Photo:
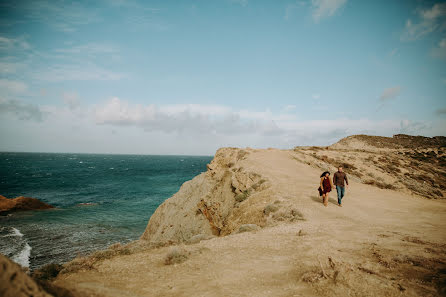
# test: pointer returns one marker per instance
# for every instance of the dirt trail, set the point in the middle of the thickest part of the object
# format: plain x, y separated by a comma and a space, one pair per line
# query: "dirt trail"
381, 243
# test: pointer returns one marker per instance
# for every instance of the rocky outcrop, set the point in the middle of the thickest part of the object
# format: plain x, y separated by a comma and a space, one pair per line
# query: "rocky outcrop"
206, 204
21, 203
16, 283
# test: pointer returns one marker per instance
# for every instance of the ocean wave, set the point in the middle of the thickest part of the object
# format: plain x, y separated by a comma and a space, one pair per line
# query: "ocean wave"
87, 204
16, 232
22, 258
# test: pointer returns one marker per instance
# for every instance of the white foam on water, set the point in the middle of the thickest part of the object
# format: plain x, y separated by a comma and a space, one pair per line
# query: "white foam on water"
22, 258
16, 232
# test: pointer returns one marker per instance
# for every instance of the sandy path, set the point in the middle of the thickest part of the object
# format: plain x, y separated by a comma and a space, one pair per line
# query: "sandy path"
381, 243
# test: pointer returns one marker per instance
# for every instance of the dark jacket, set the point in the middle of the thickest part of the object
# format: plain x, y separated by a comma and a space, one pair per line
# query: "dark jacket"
338, 179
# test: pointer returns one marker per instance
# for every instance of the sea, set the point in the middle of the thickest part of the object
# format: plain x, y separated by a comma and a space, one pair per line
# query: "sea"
99, 200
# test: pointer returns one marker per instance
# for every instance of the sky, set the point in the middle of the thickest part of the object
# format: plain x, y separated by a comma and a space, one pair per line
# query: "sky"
188, 77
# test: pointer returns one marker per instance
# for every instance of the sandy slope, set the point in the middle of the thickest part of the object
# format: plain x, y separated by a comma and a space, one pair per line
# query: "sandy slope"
381, 243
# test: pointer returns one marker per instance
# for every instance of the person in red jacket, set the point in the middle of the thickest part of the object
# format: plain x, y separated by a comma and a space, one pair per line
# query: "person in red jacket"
338, 180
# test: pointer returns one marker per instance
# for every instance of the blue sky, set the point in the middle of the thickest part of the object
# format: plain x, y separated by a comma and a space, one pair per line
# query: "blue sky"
188, 77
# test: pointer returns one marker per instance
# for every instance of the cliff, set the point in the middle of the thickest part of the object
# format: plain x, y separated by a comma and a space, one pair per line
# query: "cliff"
16, 283
210, 204
254, 225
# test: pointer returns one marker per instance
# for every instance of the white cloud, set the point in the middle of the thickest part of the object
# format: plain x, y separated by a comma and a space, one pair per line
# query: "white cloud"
316, 96
90, 49
59, 15
390, 93
77, 73
202, 122
182, 118
20, 110
440, 50
429, 20
289, 9
12, 86
289, 108
441, 111
13, 43
413, 128
10, 67
118, 126
325, 8
71, 99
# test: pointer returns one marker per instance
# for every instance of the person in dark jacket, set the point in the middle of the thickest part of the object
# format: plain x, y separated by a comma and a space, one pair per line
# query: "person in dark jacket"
325, 187
338, 180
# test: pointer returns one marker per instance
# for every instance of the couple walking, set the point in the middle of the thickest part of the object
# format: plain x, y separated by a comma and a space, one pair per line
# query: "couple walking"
327, 184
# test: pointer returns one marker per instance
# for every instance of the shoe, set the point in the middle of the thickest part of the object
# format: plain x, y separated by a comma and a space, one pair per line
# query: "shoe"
340, 205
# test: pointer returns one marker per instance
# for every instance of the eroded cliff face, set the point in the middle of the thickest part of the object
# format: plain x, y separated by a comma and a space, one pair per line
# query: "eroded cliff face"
209, 204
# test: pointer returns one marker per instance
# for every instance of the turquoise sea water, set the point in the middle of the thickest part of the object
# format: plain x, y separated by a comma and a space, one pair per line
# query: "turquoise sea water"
121, 193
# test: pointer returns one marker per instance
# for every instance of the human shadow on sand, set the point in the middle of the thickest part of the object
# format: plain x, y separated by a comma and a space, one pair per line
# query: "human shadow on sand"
318, 199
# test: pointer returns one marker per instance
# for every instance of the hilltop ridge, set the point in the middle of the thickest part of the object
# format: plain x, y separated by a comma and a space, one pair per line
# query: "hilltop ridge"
398, 141
415, 165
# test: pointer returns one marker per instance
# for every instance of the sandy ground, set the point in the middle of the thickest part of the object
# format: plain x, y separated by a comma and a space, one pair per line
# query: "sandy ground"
380, 243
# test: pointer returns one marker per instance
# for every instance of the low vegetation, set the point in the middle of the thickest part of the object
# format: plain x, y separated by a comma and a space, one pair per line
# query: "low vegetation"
88, 262
416, 164
176, 255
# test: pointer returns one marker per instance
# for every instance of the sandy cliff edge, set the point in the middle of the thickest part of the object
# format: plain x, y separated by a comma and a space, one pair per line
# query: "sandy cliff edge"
383, 242
209, 204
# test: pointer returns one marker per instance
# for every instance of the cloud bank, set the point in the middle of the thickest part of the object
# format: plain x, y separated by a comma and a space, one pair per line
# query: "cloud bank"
119, 126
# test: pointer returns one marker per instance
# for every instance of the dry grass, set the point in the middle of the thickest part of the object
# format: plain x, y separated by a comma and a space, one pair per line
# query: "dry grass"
421, 171
270, 208
88, 262
176, 255
379, 184
242, 196
47, 272
290, 215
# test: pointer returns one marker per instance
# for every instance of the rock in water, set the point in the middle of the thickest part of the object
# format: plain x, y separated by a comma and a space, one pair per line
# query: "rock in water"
16, 283
21, 203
